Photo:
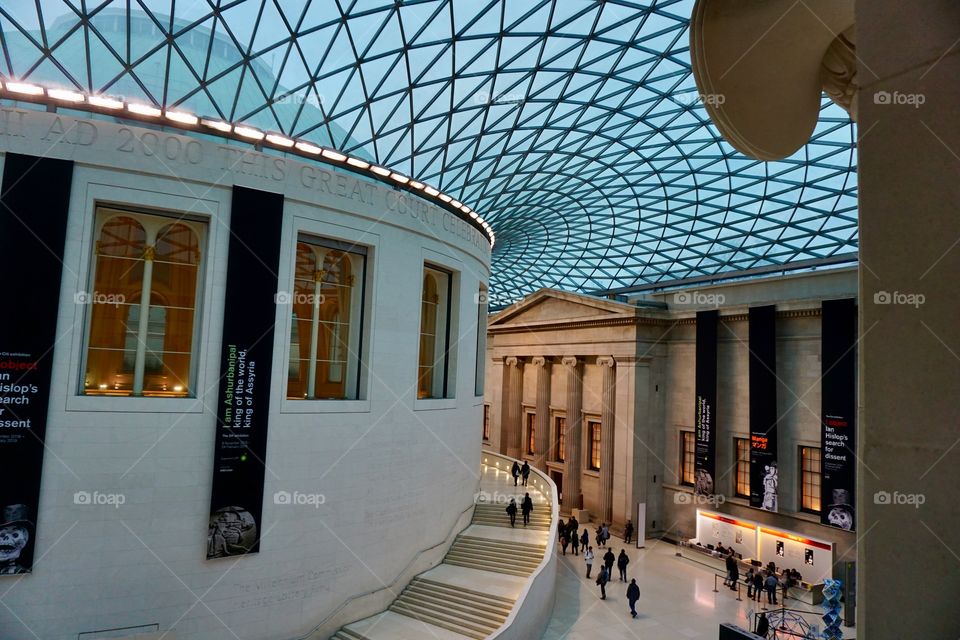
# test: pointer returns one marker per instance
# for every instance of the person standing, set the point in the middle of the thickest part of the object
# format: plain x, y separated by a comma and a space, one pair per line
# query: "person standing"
771, 584
608, 561
633, 594
749, 580
561, 528
574, 541
584, 540
599, 536
512, 511
733, 571
526, 506
763, 626
564, 541
622, 561
588, 559
602, 580
757, 584
605, 532
515, 472
628, 532
525, 472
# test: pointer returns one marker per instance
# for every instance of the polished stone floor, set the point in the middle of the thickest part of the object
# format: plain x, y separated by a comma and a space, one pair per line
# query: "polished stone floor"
677, 601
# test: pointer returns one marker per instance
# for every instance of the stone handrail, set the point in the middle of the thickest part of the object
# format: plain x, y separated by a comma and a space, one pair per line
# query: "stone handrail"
534, 606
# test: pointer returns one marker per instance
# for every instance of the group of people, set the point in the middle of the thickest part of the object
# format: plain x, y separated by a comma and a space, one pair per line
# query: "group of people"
569, 532
759, 580
569, 536
519, 472
526, 507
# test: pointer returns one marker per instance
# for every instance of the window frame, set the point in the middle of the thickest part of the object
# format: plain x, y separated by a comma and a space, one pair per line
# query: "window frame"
480, 371
530, 431
200, 225
814, 474
560, 433
359, 298
446, 392
687, 457
486, 422
740, 472
594, 444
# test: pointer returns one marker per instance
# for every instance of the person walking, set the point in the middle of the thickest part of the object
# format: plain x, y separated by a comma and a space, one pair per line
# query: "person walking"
588, 559
515, 472
574, 525
757, 584
512, 511
749, 580
599, 536
633, 594
605, 532
564, 541
628, 532
771, 584
584, 540
602, 580
561, 528
574, 541
608, 561
525, 472
733, 571
622, 561
526, 506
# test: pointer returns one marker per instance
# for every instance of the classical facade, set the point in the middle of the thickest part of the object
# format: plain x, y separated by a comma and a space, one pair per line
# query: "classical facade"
601, 395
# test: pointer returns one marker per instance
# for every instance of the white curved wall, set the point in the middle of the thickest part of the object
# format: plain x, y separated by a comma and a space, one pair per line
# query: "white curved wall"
397, 473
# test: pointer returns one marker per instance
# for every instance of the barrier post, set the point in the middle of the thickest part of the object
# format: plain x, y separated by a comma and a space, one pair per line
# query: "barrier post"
715, 590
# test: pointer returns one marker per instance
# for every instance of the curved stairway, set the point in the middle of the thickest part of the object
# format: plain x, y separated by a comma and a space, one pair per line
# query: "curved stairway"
471, 594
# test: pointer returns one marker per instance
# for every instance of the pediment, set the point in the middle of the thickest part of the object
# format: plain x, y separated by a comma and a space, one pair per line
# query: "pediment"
550, 306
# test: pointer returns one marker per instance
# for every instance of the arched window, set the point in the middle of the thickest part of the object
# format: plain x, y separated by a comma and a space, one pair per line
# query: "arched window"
325, 332
143, 305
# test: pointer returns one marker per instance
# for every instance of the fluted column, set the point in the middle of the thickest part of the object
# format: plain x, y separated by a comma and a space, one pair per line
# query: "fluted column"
513, 401
573, 466
542, 426
608, 421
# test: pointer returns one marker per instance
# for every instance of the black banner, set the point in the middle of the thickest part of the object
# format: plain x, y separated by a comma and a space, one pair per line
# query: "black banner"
705, 415
764, 478
838, 426
249, 313
33, 223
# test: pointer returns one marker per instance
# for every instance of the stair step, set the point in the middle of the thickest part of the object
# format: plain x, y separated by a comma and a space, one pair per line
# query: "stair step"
496, 567
423, 591
500, 549
494, 558
436, 603
451, 624
347, 634
475, 565
457, 589
531, 545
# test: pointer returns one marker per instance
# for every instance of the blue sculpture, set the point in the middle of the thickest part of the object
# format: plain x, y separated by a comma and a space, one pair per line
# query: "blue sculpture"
832, 590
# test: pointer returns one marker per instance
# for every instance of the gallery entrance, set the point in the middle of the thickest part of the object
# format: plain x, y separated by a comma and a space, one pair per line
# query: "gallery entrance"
557, 477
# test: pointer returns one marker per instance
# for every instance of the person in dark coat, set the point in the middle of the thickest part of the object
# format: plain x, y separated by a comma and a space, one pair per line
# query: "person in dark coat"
733, 571
749, 580
561, 528
757, 584
633, 594
608, 561
584, 540
763, 626
628, 532
622, 562
574, 540
564, 541
602, 580
512, 511
526, 506
515, 472
525, 472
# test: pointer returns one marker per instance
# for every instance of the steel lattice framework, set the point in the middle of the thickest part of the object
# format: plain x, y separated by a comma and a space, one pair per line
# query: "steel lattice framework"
573, 126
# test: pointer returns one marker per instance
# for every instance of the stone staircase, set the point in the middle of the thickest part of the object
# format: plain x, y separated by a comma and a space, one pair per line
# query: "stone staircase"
459, 599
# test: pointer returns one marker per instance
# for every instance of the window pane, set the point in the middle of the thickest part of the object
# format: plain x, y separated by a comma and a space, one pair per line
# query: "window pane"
686, 457
594, 431
434, 319
531, 433
743, 467
561, 439
810, 478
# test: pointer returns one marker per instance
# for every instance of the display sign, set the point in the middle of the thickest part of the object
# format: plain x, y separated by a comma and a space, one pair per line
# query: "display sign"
716, 528
838, 429
33, 223
249, 315
764, 478
705, 459
789, 550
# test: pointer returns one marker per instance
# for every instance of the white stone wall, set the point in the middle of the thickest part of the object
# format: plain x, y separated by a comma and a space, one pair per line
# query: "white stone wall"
396, 472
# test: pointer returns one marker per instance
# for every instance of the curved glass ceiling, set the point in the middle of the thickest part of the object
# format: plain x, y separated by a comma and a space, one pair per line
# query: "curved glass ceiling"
574, 127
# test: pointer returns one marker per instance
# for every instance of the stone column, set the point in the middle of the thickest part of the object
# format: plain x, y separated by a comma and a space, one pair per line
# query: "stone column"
608, 421
542, 426
573, 467
512, 429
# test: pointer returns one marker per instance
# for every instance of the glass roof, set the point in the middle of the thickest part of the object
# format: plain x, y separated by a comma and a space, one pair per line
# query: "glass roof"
573, 126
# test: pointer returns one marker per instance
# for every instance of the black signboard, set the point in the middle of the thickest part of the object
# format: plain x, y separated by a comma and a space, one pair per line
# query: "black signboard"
838, 428
706, 391
249, 315
33, 222
764, 478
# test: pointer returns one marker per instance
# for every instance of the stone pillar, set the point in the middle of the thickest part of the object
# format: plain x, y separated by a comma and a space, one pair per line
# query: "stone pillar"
542, 426
573, 467
512, 428
909, 160
608, 421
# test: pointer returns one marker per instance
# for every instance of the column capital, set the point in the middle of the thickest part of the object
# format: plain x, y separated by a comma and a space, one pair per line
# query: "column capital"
606, 361
512, 361
539, 361
571, 361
